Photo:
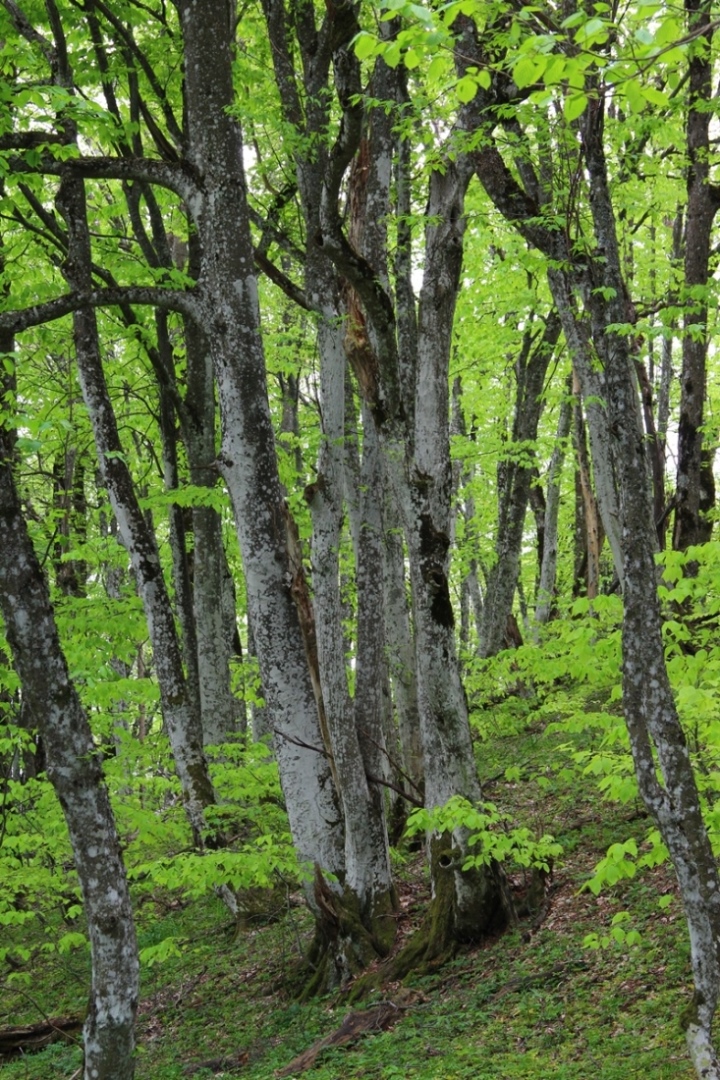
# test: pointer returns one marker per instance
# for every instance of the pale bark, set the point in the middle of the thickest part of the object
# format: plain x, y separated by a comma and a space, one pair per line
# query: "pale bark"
417, 461
367, 865
402, 657
548, 566
181, 715
371, 680
213, 593
368, 882
230, 315
74, 769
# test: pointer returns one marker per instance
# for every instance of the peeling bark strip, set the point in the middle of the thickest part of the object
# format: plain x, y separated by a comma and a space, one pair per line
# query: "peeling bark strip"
73, 767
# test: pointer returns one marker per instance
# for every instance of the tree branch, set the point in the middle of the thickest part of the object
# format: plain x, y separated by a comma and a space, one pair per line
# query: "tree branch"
179, 177
182, 300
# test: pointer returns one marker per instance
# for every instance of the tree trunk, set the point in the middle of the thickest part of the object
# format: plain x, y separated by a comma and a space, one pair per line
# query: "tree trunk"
589, 533
695, 494
73, 767
213, 590
514, 480
592, 389
548, 566
418, 461
179, 711
228, 309
649, 707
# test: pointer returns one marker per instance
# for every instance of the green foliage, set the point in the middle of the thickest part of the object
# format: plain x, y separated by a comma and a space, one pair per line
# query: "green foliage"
619, 934
489, 832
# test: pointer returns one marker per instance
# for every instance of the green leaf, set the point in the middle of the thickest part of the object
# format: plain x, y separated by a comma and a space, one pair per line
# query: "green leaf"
365, 45
466, 88
574, 106
527, 71
655, 96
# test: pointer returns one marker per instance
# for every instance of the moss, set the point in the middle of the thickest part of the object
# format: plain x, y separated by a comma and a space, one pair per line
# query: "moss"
347, 936
689, 1015
445, 927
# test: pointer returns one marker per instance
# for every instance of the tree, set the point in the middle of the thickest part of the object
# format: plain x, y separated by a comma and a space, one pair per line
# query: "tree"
73, 764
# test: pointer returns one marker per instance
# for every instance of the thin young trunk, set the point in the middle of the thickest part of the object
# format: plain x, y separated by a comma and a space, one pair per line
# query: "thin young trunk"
177, 532
514, 491
589, 530
180, 716
179, 711
367, 866
695, 493
69, 511
592, 389
548, 567
74, 769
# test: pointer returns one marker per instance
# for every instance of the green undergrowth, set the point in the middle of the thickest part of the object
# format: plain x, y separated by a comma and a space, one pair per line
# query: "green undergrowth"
596, 988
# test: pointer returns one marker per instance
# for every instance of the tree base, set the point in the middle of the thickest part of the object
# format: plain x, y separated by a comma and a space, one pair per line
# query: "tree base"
468, 906
347, 938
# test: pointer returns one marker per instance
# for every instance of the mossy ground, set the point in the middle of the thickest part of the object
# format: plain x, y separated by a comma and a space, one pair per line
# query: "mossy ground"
527, 1004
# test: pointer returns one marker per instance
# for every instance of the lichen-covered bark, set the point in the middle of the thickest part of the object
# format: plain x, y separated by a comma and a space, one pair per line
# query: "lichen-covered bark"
368, 879
230, 315
73, 766
417, 459
652, 721
213, 595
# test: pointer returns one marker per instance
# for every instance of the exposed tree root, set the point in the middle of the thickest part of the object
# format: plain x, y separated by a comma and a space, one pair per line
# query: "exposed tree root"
379, 1017
347, 938
461, 911
27, 1037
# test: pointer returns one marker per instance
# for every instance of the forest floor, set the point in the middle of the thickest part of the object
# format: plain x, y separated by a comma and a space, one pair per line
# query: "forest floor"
537, 1002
